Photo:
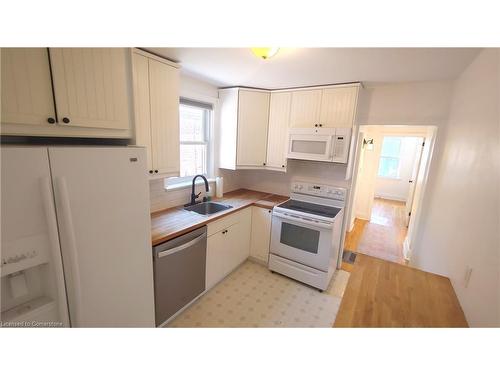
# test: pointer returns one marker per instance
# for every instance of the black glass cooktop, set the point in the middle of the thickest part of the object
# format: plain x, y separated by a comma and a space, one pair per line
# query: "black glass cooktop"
311, 208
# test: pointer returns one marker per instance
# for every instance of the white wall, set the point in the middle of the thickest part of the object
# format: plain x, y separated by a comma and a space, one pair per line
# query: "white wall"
410, 103
460, 214
398, 189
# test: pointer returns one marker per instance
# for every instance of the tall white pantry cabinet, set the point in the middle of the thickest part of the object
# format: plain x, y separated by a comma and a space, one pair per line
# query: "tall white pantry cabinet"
156, 98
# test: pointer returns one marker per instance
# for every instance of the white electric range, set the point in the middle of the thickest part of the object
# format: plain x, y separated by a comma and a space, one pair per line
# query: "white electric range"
306, 233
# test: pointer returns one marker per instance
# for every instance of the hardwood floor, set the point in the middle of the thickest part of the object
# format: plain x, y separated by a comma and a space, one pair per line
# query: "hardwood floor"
382, 236
386, 294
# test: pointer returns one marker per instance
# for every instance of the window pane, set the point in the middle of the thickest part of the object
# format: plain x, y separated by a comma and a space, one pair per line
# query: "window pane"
388, 167
193, 160
391, 146
192, 123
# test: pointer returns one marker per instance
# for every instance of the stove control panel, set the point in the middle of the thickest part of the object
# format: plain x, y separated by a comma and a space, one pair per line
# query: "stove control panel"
319, 190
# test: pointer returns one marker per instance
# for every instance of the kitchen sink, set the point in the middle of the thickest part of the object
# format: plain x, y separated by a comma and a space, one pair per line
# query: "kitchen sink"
208, 208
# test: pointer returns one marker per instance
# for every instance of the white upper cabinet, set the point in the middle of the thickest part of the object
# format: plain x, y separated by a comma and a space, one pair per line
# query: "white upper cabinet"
164, 97
156, 100
142, 109
26, 87
253, 117
338, 106
305, 108
91, 87
243, 128
66, 92
277, 136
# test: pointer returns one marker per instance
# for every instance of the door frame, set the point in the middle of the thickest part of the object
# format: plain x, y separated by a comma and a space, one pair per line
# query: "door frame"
428, 133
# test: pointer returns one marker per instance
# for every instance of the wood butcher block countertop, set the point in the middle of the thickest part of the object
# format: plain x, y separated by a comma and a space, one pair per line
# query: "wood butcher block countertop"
386, 294
173, 222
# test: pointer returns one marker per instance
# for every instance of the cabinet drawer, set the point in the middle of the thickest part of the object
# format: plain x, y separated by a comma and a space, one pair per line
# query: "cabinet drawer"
227, 221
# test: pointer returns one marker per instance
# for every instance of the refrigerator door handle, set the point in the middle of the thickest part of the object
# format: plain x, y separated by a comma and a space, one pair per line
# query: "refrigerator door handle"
69, 233
50, 214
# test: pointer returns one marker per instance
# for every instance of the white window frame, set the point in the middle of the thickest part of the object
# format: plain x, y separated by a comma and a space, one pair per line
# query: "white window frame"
174, 183
398, 158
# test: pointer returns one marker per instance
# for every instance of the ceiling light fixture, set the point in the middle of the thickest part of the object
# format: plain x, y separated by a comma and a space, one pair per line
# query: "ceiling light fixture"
265, 52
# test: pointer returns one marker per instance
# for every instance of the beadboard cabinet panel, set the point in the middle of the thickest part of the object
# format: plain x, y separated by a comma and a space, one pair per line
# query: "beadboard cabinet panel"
338, 106
277, 136
305, 108
142, 108
253, 118
164, 104
91, 87
26, 87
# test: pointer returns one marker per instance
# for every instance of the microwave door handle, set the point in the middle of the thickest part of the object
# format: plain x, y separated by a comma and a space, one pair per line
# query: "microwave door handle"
303, 220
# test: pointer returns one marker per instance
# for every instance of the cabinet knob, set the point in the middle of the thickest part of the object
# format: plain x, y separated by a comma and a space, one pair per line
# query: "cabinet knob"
320, 125
156, 170
51, 120
283, 166
150, 171
263, 163
66, 120
316, 125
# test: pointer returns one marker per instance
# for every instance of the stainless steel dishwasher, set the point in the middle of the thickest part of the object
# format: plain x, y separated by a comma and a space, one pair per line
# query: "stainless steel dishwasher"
179, 272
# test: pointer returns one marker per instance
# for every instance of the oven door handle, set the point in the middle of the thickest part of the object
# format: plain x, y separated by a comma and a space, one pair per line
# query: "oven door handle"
303, 220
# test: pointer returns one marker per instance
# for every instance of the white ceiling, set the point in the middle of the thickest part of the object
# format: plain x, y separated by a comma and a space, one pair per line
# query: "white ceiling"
316, 66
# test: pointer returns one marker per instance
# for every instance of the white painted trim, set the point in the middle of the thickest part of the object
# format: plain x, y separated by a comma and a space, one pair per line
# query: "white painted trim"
406, 249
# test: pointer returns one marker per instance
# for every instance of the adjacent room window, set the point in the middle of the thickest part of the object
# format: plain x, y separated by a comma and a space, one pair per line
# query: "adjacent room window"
390, 157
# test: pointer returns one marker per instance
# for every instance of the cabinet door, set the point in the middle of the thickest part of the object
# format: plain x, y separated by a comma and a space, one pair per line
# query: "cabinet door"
277, 141
216, 251
26, 87
164, 100
253, 119
261, 233
238, 239
141, 104
305, 107
91, 87
338, 106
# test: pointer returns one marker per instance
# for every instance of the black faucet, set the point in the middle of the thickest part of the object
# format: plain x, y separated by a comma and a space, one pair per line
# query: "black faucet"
193, 195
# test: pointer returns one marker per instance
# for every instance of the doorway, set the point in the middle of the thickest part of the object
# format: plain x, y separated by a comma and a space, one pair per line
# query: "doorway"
388, 179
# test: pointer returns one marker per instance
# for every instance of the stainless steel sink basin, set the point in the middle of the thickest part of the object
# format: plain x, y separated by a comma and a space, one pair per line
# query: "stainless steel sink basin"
208, 208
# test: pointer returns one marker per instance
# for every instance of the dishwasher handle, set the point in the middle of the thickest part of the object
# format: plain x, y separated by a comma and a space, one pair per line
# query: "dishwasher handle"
174, 250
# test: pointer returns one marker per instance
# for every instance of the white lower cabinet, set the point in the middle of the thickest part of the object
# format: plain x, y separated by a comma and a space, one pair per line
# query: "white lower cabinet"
228, 245
261, 233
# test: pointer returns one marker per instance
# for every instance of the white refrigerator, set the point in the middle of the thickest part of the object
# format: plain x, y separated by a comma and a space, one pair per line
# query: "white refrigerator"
75, 235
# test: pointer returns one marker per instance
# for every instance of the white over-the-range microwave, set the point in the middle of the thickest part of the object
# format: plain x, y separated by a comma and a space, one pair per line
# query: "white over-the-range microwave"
325, 144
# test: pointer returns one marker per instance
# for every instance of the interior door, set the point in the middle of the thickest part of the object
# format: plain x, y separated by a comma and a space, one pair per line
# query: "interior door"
253, 120
26, 87
91, 87
102, 201
412, 182
164, 104
305, 107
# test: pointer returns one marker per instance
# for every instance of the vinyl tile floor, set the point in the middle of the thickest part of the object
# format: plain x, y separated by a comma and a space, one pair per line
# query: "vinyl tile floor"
252, 296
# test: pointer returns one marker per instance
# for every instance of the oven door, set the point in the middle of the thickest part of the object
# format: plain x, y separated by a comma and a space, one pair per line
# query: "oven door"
302, 240
310, 147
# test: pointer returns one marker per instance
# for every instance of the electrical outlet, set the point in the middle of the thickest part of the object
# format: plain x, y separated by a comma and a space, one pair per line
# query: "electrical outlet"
468, 273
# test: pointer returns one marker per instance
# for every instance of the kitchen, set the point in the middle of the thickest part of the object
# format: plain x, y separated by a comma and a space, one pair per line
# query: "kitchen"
155, 190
